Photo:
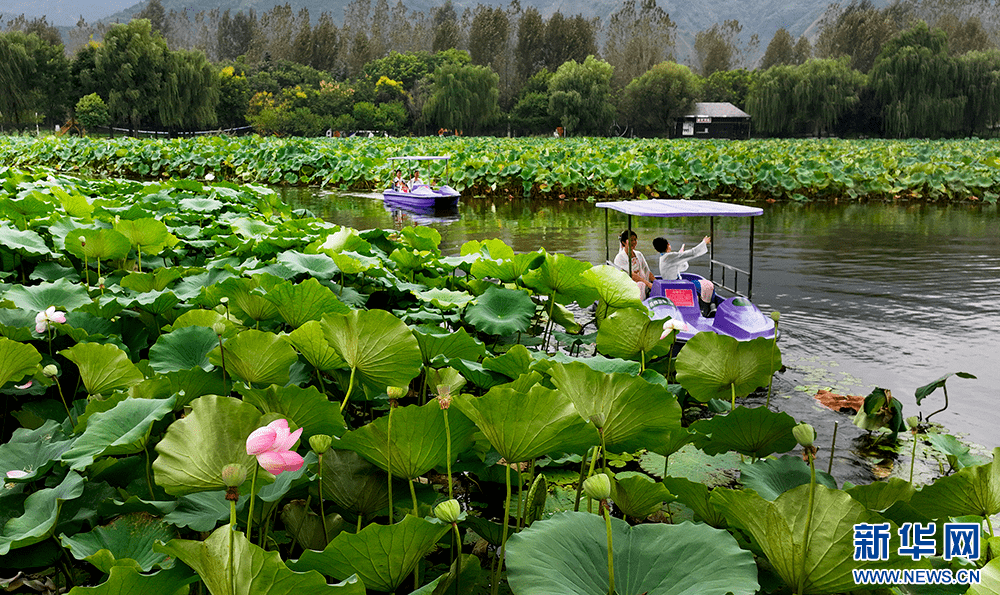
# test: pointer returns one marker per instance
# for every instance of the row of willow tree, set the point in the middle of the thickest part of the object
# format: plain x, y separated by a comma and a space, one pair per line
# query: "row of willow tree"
871, 71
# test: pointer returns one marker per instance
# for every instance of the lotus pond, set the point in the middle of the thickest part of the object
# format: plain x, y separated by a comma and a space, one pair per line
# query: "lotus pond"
207, 392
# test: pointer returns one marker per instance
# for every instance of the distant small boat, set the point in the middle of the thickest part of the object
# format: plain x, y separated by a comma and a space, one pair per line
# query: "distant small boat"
421, 196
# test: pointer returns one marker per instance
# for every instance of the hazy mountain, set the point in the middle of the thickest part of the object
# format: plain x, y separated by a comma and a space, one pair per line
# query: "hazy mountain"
760, 17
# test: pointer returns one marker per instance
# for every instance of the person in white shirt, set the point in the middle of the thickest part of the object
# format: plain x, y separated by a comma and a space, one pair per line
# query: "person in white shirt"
632, 261
672, 264
416, 181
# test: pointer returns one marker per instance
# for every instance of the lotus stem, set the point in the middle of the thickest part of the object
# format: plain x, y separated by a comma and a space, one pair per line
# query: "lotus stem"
138, 251
350, 387
666, 463
86, 271
388, 460
611, 557
604, 453
149, 477
809, 514
413, 496
322, 515
298, 530
503, 539
361, 518
447, 432
548, 327
732, 387
458, 560
520, 493
579, 483
989, 524
232, 537
222, 353
590, 501
833, 446
642, 361
253, 493
770, 380
65, 404
944, 387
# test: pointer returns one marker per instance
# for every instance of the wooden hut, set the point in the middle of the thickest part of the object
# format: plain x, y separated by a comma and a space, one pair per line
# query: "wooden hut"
714, 120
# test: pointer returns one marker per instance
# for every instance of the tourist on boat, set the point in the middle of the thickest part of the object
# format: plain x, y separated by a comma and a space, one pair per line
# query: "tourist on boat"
415, 180
632, 261
398, 184
672, 264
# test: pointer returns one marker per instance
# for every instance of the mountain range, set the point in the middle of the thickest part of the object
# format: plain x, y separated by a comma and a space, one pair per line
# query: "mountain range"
758, 17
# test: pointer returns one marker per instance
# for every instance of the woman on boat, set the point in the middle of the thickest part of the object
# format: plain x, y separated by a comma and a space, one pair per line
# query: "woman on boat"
398, 184
672, 264
415, 180
632, 261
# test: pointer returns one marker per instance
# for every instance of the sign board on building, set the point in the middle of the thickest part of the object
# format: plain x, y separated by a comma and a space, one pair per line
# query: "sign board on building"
703, 120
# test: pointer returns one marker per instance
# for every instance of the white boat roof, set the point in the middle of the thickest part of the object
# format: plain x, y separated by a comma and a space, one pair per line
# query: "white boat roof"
419, 158
673, 207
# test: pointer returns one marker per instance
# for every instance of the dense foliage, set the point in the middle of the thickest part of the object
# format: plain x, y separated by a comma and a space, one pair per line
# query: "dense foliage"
752, 170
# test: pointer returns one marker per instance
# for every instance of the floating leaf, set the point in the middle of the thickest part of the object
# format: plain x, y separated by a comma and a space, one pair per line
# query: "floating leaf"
501, 311
568, 555
103, 368
257, 357
382, 556
63, 294
772, 477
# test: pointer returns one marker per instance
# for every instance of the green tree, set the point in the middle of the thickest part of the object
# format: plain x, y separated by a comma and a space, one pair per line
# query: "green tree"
780, 51
638, 37
35, 78
529, 55
810, 98
234, 98
154, 13
859, 30
919, 85
730, 86
653, 102
235, 34
131, 65
981, 86
91, 112
568, 39
580, 96
803, 50
488, 36
190, 91
326, 44
964, 35
530, 114
447, 33
462, 97
720, 48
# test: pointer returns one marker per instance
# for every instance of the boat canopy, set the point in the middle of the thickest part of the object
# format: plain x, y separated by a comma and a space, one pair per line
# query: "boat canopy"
419, 158
680, 208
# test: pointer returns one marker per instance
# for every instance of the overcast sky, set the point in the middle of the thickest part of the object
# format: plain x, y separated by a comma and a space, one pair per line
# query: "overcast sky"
63, 12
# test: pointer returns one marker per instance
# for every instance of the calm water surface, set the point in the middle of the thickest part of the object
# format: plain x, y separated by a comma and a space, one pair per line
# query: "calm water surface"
888, 295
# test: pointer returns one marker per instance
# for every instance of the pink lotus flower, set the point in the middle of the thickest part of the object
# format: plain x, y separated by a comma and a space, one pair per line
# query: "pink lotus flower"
272, 445
673, 325
17, 474
43, 318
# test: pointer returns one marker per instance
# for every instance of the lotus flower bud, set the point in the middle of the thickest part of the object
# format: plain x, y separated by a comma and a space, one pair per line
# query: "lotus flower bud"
913, 422
83, 241
396, 392
598, 419
775, 315
320, 443
233, 475
219, 328
101, 281
224, 301
444, 395
448, 511
597, 487
50, 371
804, 434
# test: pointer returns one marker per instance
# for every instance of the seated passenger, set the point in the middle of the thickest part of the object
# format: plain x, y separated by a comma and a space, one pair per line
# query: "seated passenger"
398, 184
632, 261
672, 264
415, 180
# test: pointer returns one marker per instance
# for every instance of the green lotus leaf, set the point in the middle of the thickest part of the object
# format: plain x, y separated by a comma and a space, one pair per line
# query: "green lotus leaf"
17, 360
183, 349
188, 385
122, 430
206, 319
630, 334
881, 495
449, 377
382, 556
562, 277
779, 528
512, 364
191, 287
103, 368
202, 511
126, 580
473, 575
195, 448
409, 261
308, 526
772, 477
697, 497
344, 239
246, 296
201, 205
306, 408
126, 541
380, 350
319, 266
353, 483
256, 357
36, 519
501, 311
418, 442
251, 229
598, 363
434, 341
155, 281
508, 269
26, 242
104, 244
989, 580
310, 340
155, 302
147, 234
568, 555
523, 426
755, 432
32, 205
353, 264
638, 496
475, 373
615, 290
17, 324
636, 414
711, 366
308, 300
256, 572
564, 317
444, 298
927, 389
33, 451
63, 294
493, 248
421, 237
958, 454
970, 491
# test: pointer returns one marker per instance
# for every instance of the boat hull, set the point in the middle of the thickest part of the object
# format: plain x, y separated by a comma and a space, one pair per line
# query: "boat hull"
422, 197
735, 317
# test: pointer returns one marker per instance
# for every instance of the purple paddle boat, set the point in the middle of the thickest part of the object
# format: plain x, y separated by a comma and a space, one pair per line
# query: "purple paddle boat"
420, 196
735, 316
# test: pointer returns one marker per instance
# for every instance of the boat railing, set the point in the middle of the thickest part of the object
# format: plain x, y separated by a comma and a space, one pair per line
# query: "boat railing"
734, 275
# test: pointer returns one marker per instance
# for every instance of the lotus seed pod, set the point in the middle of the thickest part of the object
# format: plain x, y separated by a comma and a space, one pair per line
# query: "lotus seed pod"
396, 392
804, 434
50, 371
775, 315
913, 422
219, 328
597, 487
448, 511
100, 281
233, 475
83, 241
320, 443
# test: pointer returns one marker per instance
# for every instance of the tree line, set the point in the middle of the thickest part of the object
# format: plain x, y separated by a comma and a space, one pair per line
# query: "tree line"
490, 70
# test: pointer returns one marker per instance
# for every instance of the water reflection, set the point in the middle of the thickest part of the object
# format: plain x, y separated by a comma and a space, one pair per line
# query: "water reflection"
870, 294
